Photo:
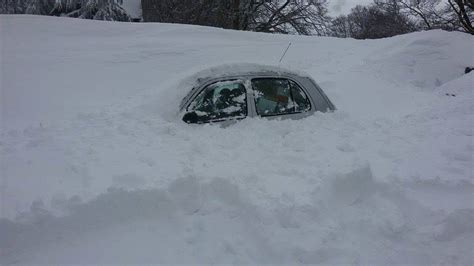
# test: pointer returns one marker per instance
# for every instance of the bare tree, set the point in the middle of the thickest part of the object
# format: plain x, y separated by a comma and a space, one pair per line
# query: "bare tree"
340, 27
12, 6
39, 7
293, 16
383, 18
202, 12
426, 10
432, 14
289, 16
464, 10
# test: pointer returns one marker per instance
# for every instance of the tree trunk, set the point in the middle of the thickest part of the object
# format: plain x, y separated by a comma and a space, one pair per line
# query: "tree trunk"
237, 14
462, 15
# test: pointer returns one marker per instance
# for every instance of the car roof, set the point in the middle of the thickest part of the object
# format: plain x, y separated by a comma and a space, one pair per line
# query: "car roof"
243, 70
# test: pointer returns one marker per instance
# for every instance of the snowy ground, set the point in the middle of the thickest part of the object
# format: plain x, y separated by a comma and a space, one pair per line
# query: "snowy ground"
97, 168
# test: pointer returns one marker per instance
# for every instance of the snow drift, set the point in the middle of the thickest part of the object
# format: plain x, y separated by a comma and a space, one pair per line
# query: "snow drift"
96, 169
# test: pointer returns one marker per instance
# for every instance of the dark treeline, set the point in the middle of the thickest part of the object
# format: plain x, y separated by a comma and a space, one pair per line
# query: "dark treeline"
382, 18
290, 16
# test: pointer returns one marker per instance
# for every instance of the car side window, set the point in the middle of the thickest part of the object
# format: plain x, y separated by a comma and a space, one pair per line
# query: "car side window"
302, 103
278, 96
218, 101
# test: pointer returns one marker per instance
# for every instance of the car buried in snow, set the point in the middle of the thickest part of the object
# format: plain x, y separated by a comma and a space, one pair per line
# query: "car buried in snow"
252, 91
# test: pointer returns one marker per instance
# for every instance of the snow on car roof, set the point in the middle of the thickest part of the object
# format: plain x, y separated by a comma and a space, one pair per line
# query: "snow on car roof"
242, 69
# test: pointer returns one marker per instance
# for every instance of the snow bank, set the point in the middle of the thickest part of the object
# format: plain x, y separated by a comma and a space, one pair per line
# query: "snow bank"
350, 219
92, 154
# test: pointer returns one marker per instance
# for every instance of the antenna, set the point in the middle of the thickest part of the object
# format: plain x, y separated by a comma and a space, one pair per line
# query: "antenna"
284, 53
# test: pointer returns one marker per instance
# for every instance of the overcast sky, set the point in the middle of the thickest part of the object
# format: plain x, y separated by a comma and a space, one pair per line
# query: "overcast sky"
338, 7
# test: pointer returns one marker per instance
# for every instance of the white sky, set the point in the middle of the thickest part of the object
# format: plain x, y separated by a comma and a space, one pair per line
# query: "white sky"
339, 7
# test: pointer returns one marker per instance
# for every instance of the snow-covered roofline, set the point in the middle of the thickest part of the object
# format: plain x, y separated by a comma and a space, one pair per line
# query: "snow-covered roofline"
242, 69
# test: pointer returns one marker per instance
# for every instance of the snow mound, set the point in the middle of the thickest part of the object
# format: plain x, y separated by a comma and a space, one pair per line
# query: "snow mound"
424, 60
351, 218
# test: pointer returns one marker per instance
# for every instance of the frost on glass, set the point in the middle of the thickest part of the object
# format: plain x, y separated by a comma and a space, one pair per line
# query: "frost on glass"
219, 101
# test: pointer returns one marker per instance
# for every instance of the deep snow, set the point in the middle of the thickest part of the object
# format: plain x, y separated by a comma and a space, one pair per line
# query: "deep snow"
97, 168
